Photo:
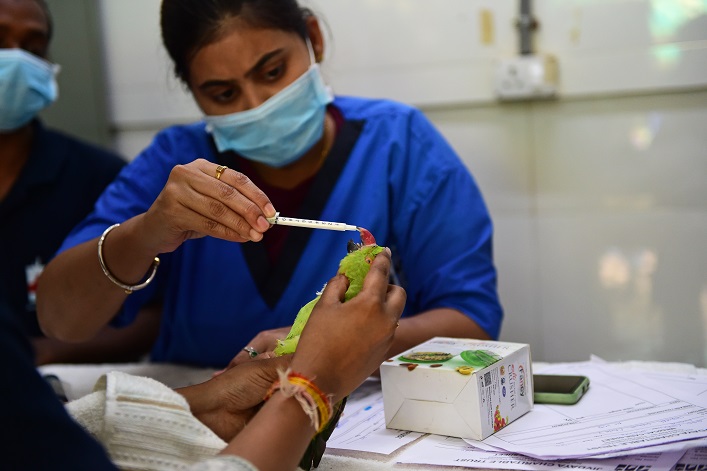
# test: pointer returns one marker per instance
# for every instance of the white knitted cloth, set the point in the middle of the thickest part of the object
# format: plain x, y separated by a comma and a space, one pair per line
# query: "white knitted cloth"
144, 425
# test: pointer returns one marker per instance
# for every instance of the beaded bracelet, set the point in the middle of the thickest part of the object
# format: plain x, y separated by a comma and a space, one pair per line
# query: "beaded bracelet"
314, 402
126, 287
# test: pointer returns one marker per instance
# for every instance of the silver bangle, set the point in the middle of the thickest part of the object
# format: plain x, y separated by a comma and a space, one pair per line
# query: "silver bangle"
127, 288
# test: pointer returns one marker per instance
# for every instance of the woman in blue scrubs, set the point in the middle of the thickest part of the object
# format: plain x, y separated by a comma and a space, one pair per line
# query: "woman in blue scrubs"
274, 136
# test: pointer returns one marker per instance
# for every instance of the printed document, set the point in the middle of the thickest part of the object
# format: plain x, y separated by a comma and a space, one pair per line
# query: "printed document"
362, 425
621, 413
447, 451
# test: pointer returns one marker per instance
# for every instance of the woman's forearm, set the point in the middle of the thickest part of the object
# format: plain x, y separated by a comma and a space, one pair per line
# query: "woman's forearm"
75, 298
434, 323
109, 345
277, 436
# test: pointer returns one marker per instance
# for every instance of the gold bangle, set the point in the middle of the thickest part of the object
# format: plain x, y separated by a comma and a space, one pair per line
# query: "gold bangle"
127, 288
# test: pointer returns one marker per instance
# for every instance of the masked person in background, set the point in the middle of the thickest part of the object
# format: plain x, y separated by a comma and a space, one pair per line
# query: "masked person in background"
273, 136
48, 183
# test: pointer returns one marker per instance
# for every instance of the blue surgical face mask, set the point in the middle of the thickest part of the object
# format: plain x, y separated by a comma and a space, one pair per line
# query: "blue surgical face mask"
283, 128
27, 86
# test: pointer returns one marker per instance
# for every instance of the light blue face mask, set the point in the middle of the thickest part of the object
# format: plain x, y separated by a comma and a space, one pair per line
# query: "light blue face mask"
283, 128
27, 86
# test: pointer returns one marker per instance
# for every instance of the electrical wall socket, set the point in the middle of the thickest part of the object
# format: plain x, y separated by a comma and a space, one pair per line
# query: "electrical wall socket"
526, 78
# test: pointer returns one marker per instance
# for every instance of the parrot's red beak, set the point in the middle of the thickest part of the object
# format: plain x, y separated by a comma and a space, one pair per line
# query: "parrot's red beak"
366, 237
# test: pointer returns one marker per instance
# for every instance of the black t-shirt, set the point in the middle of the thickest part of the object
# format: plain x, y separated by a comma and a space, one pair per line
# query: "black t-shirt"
38, 433
56, 189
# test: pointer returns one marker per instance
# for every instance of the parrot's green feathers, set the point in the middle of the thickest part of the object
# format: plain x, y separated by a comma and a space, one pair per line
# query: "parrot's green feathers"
289, 344
355, 266
286, 346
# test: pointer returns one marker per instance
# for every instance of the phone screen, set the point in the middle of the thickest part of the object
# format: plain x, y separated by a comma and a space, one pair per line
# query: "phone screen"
559, 384
559, 389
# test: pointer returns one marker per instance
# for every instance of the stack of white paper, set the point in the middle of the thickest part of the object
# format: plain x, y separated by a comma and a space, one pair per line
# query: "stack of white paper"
622, 413
630, 418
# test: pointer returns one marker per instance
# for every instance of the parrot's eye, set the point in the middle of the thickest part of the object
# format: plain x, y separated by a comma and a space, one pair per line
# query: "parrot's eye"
369, 260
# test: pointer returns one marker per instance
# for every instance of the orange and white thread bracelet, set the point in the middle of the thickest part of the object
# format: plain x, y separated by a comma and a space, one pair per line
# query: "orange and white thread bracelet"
314, 402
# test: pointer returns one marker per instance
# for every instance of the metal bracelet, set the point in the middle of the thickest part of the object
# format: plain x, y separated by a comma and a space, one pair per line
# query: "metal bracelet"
127, 288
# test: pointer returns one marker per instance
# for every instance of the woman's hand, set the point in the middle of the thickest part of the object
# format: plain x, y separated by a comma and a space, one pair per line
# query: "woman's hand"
343, 343
75, 300
263, 343
227, 402
195, 203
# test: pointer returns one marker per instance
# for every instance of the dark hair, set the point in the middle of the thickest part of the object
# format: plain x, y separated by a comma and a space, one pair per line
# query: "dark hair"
189, 25
50, 24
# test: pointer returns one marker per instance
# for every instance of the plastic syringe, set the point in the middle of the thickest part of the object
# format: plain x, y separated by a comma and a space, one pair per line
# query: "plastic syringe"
311, 224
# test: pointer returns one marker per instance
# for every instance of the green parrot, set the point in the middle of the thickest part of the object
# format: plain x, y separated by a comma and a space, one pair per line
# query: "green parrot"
355, 266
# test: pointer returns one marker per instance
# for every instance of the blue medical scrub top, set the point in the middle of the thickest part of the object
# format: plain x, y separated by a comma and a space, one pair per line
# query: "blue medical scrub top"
389, 171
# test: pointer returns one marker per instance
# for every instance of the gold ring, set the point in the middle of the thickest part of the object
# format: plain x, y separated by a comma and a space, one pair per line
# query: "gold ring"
219, 170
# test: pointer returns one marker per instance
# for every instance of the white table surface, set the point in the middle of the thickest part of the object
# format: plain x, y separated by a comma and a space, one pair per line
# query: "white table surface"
79, 381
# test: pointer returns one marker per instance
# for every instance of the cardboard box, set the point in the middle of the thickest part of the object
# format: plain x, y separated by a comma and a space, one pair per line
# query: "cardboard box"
471, 389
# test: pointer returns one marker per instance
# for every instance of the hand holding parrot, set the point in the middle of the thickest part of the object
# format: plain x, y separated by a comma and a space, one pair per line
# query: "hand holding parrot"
341, 289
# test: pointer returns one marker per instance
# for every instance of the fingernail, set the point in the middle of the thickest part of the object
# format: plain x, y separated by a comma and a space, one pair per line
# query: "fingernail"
388, 251
255, 236
262, 223
269, 210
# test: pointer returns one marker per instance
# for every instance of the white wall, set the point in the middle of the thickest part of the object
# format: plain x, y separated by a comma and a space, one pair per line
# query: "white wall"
599, 198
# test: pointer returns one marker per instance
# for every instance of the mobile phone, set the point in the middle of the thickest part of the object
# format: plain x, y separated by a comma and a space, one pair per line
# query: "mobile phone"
559, 389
